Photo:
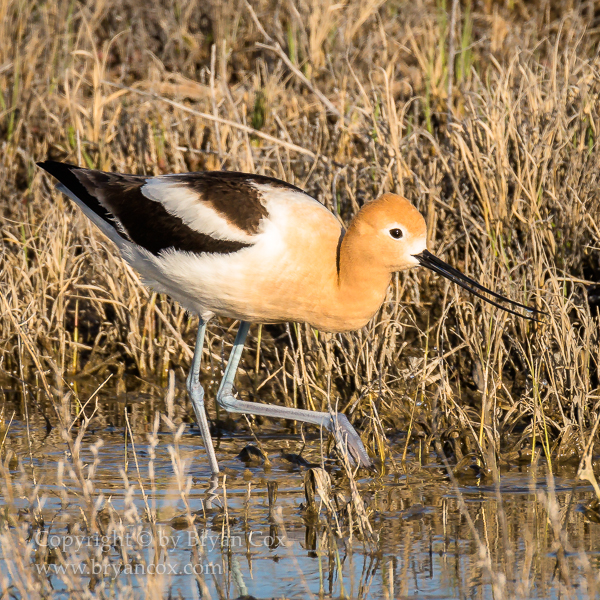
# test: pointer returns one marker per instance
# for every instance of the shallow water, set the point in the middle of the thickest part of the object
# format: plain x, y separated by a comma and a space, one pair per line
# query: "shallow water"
432, 538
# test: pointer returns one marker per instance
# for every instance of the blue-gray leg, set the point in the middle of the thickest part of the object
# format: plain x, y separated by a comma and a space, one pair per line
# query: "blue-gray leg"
345, 435
196, 392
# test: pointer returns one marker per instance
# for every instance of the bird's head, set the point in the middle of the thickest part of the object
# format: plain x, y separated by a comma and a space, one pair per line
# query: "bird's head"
396, 230
399, 241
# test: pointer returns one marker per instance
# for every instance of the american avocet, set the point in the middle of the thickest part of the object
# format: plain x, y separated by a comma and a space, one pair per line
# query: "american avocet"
257, 249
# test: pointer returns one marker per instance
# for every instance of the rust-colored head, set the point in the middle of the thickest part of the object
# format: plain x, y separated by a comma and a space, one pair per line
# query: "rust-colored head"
390, 230
388, 235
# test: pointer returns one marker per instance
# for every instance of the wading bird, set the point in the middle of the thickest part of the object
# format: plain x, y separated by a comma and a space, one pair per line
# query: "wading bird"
257, 249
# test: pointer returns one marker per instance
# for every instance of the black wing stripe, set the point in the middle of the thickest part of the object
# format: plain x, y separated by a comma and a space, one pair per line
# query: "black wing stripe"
146, 222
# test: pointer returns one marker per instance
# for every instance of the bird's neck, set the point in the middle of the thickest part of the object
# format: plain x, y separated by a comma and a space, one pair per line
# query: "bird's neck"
362, 280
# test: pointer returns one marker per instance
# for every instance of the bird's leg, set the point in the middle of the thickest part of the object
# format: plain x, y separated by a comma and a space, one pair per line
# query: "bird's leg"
196, 392
345, 435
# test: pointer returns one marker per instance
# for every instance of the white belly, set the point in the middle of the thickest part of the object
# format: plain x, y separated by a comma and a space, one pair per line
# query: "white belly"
288, 274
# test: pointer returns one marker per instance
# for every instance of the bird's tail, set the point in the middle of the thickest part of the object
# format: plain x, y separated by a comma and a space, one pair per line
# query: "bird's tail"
89, 202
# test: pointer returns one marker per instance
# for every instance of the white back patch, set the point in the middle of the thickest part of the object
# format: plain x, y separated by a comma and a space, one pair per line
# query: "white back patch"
186, 204
289, 196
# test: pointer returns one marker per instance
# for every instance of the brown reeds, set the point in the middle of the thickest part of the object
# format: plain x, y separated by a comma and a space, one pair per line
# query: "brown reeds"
504, 171
492, 136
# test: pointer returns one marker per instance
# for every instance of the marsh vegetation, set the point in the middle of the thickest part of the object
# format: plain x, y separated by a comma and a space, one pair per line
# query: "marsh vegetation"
485, 426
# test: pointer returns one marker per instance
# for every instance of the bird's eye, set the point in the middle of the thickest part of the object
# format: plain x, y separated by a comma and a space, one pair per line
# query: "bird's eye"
396, 233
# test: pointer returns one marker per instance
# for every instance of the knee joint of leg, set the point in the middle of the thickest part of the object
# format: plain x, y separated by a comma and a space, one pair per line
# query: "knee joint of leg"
225, 397
195, 390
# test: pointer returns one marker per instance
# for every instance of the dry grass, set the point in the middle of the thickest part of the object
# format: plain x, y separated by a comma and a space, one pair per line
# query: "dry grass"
485, 115
505, 172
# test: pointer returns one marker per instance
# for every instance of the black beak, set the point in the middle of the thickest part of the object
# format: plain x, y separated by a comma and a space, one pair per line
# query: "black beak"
432, 262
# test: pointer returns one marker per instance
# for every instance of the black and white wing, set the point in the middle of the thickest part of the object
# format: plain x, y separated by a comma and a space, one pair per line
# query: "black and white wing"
214, 212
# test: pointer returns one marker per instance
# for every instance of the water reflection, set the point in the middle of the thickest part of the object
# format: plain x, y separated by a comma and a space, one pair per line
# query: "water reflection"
524, 536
